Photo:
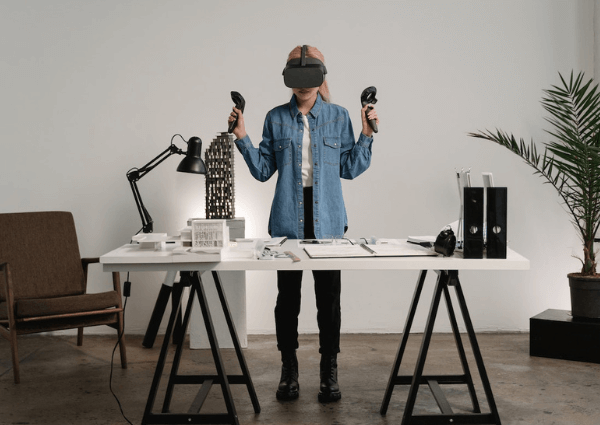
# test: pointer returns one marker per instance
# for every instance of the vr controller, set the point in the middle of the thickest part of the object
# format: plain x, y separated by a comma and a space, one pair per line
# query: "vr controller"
240, 104
368, 97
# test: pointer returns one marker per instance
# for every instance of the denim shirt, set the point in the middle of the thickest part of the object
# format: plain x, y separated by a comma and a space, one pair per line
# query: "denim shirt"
335, 155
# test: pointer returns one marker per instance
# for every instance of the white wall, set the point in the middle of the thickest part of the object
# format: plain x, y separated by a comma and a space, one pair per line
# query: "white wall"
91, 89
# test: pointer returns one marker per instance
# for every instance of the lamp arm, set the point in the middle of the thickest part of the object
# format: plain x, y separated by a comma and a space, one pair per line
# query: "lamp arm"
147, 221
136, 174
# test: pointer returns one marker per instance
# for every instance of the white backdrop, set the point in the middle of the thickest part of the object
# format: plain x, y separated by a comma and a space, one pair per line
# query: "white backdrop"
92, 89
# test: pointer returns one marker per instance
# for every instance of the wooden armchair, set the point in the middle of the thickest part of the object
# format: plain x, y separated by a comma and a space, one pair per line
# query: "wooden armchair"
43, 281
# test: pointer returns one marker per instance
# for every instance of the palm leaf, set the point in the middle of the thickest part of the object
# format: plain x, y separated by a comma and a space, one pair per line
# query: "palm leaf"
570, 162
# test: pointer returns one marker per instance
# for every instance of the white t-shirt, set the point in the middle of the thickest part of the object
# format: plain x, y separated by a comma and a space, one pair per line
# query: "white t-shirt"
307, 163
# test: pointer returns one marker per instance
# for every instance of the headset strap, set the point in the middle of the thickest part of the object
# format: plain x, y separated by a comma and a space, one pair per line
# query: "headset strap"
303, 56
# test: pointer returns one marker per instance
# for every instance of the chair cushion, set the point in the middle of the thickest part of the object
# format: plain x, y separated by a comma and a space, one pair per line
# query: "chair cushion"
33, 307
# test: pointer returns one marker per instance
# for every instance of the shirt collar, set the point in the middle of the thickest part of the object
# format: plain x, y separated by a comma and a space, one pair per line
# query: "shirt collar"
314, 111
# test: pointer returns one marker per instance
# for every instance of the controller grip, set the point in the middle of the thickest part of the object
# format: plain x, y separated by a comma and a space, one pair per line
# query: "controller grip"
232, 125
240, 103
372, 123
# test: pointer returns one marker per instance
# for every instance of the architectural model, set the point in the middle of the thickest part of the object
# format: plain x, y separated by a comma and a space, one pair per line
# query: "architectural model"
220, 183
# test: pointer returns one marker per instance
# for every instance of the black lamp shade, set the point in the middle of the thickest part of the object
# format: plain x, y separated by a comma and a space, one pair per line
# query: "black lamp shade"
192, 163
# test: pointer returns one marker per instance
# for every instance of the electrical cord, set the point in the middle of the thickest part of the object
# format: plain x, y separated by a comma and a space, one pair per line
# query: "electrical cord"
126, 293
175, 135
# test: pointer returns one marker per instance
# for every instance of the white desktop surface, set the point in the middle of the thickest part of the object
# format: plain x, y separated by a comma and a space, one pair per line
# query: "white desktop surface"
131, 258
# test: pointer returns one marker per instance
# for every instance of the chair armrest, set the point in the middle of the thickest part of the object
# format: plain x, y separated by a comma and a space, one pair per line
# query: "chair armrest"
85, 262
116, 277
9, 293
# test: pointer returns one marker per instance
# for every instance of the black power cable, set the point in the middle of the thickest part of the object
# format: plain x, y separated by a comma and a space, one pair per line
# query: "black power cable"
126, 293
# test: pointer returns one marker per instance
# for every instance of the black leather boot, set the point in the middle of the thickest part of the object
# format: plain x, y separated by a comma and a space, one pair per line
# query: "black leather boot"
330, 390
288, 389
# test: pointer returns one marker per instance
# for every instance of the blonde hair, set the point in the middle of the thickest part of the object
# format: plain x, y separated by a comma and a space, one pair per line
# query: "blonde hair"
312, 52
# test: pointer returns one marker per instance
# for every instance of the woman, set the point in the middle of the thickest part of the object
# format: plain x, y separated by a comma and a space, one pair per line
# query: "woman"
310, 142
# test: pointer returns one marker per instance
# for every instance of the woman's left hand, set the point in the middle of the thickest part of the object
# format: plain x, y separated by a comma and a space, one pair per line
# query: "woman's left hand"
372, 115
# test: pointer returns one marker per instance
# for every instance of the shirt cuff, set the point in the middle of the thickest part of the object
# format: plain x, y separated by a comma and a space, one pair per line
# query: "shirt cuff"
365, 141
243, 144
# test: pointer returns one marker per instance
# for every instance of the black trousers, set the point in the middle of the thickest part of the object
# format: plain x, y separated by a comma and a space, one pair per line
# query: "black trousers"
327, 292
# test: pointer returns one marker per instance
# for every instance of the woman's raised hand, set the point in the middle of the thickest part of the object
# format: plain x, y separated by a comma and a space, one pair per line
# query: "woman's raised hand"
240, 129
372, 115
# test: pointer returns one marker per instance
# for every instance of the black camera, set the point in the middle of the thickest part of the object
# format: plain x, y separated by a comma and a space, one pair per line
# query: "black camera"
445, 242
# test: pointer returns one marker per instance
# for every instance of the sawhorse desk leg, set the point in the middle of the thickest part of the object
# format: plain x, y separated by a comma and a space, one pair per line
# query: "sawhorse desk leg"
168, 288
445, 279
193, 416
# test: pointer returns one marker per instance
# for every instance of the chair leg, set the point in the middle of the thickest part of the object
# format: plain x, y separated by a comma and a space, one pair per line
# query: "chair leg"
15, 354
79, 337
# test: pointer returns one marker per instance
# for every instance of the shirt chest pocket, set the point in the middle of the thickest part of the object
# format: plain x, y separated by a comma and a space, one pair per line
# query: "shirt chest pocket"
283, 151
331, 150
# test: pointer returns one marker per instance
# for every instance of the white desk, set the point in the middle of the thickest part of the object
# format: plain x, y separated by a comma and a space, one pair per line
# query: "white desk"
130, 258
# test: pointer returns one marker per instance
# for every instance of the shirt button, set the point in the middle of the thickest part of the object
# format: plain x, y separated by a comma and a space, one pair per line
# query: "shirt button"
299, 182
300, 203
301, 220
314, 146
315, 164
317, 220
279, 146
316, 202
299, 146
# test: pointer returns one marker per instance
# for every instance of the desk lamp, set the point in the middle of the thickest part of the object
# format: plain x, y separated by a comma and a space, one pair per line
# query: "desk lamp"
192, 163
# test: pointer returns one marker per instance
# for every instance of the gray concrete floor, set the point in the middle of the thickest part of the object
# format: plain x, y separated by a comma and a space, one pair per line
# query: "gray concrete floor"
65, 384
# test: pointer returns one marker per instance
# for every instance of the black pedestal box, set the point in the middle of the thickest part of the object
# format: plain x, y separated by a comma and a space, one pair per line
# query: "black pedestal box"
555, 334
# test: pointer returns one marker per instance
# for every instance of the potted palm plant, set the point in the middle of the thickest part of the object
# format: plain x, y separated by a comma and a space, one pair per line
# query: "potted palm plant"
571, 164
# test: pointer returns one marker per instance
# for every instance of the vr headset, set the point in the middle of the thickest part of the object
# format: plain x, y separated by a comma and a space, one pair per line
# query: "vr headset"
304, 72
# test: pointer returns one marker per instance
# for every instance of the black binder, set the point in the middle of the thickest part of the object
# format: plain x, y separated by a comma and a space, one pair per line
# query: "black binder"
473, 230
496, 222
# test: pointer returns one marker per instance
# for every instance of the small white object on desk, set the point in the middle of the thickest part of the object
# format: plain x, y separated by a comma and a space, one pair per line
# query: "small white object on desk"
275, 241
151, 240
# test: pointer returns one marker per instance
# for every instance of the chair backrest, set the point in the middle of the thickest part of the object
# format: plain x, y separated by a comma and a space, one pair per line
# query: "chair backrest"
43, 253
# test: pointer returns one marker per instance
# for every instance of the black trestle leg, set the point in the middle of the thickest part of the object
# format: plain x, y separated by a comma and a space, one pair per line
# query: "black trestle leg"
445, 279
178, 332
161, 363
476, 352
236, 343
193, 415
157, 315
461, 351
416, 380
408, 324
176, 360
214, 346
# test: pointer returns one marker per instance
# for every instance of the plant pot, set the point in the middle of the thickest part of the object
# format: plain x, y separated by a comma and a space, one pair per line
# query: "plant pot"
585, 296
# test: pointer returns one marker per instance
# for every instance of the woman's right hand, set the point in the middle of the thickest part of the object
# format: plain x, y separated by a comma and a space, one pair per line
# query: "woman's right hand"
240, 129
